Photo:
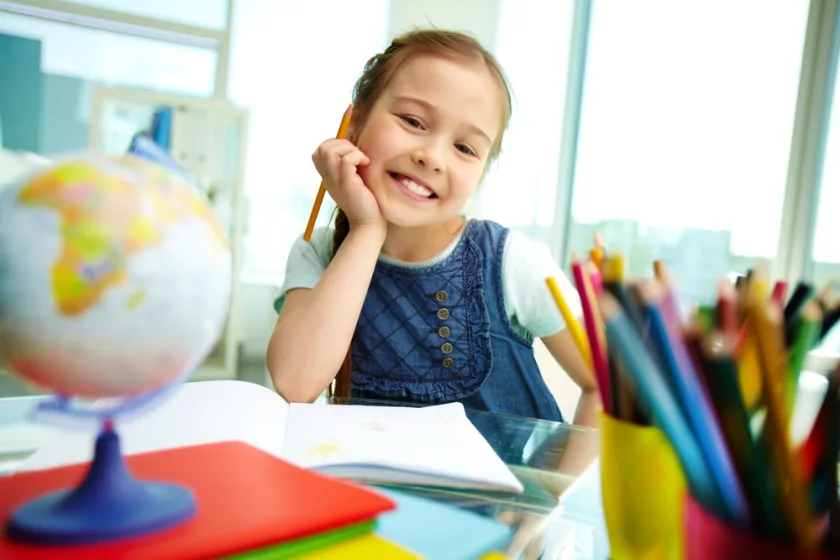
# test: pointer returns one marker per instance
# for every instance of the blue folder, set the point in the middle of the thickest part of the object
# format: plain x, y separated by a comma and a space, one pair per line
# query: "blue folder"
439, 531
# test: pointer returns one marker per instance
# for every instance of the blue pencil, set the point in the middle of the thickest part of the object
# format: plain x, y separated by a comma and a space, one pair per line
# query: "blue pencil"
657, 399
692, 400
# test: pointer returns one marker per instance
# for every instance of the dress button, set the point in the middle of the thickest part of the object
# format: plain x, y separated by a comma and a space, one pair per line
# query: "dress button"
448, 362
441, 296
444, 332
443, 314
446, 348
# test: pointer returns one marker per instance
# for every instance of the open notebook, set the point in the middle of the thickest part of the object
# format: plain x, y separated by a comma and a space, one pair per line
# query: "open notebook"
435, 445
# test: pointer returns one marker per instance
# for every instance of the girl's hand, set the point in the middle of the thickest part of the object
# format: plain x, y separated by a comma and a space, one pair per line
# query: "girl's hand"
337, 162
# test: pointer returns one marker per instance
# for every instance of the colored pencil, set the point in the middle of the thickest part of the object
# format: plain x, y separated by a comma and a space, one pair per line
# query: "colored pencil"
319, 198
813, 449
722, 384
594, 331
595, 280
613, 280
726, 311
657, 398
716, 361
766, 323
624, 400
807, 334
597, 257
571, 321
658, 269
695, 406
801, 293
779, 294
670, 305
749, 360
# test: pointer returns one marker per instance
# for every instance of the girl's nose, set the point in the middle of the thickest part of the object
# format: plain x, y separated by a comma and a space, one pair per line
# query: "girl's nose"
429, 159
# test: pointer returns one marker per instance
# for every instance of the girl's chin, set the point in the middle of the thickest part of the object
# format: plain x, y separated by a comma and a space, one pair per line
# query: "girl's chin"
404, 213
405, 218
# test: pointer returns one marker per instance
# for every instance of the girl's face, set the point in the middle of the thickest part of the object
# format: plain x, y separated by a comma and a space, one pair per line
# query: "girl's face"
429, 138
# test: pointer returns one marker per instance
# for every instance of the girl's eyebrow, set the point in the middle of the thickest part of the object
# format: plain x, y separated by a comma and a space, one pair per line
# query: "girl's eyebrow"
428, 106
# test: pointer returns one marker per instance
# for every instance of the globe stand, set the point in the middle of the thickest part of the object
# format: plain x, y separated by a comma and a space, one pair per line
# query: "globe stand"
109, 504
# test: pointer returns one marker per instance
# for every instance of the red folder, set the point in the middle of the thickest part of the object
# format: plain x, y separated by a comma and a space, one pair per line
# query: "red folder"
246, 498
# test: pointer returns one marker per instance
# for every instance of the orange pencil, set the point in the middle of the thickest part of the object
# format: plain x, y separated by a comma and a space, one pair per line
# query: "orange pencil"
596, 254
659, 270
766, 324
597, 257
319, 198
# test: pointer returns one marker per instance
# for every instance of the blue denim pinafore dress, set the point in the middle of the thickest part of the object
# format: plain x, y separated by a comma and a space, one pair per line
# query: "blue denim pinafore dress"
440, 334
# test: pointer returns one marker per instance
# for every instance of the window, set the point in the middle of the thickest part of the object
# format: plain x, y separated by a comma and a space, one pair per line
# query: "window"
686, 124
111, 58
202, 13
520, 188
297, 85
67, 59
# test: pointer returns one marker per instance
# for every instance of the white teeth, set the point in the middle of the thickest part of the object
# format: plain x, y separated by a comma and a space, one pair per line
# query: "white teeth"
415, 188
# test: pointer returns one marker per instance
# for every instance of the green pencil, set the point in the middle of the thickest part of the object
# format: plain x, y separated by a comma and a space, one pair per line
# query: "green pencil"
807, 334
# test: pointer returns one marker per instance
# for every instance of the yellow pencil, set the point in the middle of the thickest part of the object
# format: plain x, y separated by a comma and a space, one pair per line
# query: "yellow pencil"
319, 198
749, 360
571, 322
613, 268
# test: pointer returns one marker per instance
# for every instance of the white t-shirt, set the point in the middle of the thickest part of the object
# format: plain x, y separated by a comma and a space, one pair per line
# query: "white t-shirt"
526, 264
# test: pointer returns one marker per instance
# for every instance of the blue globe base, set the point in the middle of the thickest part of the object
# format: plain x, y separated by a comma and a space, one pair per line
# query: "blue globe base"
109, 504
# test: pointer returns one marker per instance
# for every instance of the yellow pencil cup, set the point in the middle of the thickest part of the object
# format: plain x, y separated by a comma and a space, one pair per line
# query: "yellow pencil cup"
643, 491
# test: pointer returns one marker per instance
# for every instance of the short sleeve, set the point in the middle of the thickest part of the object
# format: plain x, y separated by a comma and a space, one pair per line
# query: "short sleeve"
528, 301
306, 263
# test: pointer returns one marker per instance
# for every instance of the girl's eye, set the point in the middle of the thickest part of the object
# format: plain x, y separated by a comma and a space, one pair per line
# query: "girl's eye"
466, 150
413, 122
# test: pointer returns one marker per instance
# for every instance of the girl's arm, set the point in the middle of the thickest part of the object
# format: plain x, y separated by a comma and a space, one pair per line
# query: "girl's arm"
581, 448
314, 329
563, 348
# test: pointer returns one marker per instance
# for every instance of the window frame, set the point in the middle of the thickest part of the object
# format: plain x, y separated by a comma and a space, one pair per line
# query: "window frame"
136, 25
808, 145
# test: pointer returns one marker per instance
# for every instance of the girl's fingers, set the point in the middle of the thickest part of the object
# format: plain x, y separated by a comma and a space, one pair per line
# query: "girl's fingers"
349, 163
334, 146
332, 150
356, 158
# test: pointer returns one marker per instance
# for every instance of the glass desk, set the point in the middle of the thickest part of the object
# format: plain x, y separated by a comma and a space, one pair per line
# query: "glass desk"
558, 516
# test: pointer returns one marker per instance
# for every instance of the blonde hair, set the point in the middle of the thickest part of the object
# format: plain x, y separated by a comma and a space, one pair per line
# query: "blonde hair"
378, 73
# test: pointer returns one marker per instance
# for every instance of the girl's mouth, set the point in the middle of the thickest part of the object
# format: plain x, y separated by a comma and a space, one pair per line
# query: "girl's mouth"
413, 187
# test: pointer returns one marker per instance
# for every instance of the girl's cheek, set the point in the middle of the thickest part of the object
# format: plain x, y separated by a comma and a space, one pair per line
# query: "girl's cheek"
363, 173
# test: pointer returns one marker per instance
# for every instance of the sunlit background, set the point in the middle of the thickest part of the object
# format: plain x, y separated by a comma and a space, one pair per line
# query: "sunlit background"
698, 132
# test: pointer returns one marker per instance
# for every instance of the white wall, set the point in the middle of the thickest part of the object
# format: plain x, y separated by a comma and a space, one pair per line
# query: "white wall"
478, 17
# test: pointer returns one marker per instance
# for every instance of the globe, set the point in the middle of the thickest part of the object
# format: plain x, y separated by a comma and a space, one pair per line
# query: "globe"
115, 277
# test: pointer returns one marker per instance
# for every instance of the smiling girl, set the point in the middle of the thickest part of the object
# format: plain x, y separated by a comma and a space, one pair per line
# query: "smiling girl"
405, 299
